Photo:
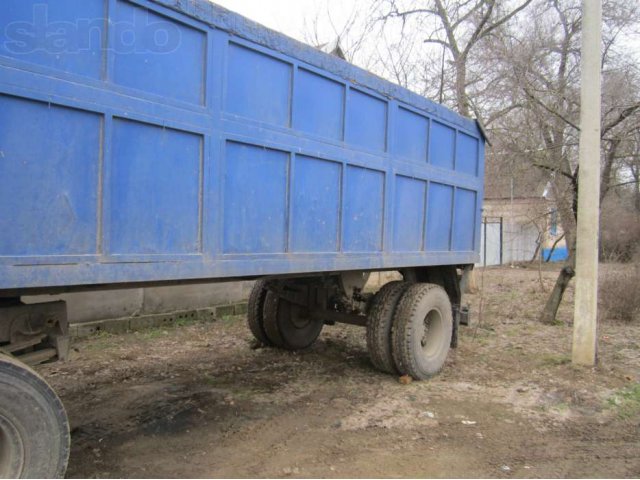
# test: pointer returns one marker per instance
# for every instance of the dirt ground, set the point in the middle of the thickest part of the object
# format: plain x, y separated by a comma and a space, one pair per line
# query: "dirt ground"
197, 401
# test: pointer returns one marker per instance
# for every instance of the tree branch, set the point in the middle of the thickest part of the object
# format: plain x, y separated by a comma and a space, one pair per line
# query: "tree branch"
622, 116
550, 110
504, 19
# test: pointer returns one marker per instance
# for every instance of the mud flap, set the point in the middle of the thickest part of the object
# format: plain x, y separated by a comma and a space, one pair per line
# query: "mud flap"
456, 325
460, 317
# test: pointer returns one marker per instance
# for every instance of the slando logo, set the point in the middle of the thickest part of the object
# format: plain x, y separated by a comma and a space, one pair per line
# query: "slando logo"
39, 34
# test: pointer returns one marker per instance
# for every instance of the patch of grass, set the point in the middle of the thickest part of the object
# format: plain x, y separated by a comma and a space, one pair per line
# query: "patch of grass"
561, 407
554, 360
482, 341
626, 401
183, 322
100, 340
231, 319
513, 332
617, 357
153, 333
102, 334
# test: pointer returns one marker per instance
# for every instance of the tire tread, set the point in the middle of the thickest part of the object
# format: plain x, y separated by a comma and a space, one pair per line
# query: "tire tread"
270, 320
255, 310
404, 326
25, 375
379, 325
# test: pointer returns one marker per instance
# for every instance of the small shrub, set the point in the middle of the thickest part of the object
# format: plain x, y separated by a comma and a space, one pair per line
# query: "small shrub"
619, 230
618, 294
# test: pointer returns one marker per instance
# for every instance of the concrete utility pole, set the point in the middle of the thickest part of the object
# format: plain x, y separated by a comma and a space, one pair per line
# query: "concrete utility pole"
585, 320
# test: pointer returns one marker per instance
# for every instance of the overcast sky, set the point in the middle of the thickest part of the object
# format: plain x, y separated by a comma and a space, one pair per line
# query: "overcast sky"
289, 16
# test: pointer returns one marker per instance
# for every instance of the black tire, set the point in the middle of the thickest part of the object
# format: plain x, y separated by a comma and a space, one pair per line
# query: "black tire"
379, 324
289, 326
421, 332
270, 319
34, 429
255, 312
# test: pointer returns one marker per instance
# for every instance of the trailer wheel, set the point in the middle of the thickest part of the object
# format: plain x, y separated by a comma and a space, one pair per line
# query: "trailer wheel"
288, 325
379, 323
256, 311
422, 329
34, 430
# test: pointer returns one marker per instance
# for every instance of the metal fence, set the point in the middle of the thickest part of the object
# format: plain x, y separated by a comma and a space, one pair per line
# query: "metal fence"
505, 242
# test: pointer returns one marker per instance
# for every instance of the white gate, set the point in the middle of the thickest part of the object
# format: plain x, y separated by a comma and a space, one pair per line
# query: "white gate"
491, 242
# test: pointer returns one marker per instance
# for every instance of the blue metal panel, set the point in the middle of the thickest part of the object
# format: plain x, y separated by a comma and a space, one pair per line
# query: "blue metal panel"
363, 210
48, 34
467, 154
258, 86
315, 218
411, 135
439, 217
154, 190
409, 214
158, 55
238, 152
366, 121
318, 105
465, 211
238, 26
559, 254
49, 161
442, 145
255, 199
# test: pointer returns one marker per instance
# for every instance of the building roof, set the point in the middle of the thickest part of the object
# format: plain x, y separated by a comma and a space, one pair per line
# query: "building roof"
333, 48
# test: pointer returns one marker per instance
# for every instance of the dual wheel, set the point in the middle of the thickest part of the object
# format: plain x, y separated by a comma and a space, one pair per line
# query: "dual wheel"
277, 322
409, 326
409, 329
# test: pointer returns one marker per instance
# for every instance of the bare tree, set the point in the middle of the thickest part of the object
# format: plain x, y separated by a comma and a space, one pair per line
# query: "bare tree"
459, 27
351, 33
544, 63
514, 64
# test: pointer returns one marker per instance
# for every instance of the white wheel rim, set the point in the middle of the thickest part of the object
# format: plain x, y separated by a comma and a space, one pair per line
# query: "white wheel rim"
431, 339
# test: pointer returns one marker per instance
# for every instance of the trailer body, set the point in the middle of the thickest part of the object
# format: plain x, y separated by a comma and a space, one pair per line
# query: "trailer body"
168, 141
172, 140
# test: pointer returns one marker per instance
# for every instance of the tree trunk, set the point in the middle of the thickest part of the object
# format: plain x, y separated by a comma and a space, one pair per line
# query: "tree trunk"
553, 248
461, 86
538, 248
550, 311
564, 203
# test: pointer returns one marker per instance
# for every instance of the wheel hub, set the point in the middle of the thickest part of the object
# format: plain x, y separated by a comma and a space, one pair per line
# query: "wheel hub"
431, 326
297, 316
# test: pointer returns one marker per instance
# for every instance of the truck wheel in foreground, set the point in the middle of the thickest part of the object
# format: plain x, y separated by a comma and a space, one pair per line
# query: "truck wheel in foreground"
255, 313
288, 325
34, 430
422, 329
380, 319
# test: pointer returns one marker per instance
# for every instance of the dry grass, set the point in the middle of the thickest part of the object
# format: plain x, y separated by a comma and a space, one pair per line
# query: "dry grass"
619, 296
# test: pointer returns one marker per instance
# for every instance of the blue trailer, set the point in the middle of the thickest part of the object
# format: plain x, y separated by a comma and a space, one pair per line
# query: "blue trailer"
170, 141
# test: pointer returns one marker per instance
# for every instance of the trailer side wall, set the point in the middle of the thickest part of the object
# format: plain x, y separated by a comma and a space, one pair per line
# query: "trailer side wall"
151, 141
